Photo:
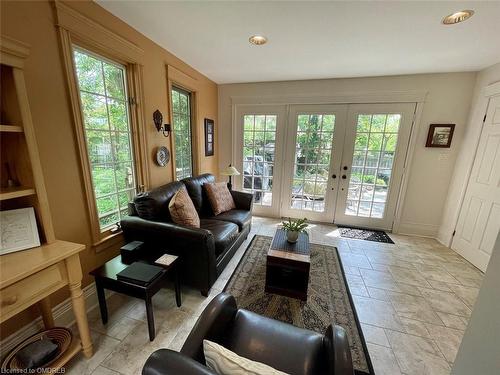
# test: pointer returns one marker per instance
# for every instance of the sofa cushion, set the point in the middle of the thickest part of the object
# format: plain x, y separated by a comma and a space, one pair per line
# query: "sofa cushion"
194, 186
220, 197
241, 218
225, 233
182, 209
225, 362
153, 204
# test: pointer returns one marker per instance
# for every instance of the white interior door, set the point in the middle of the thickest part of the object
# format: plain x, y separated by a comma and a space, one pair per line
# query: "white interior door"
479, 219
258, 154
372, 165
313, 153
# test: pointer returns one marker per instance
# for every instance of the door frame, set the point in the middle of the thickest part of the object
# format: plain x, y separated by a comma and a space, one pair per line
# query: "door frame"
340, 112
407, 110
280, 111
489, 92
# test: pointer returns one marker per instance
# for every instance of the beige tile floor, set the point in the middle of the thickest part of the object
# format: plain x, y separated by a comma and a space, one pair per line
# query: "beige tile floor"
413, 298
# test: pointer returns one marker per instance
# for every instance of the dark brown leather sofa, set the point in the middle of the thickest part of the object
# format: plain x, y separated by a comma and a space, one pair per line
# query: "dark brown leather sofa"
282, 346
204, 252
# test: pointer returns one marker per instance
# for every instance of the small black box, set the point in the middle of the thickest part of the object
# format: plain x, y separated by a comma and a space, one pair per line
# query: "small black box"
130, 251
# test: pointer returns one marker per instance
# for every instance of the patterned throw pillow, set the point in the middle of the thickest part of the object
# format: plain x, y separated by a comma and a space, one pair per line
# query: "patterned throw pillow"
182, 209
220, 197
225, 362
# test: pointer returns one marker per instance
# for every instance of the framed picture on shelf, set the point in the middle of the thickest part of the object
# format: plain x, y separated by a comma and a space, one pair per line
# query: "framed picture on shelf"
440, 135
18, 230
209, 137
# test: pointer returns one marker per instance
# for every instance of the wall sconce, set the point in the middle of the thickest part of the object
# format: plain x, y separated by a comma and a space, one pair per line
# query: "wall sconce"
160, 127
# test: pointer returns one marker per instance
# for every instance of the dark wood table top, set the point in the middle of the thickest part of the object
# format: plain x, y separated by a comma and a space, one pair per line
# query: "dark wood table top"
281, 248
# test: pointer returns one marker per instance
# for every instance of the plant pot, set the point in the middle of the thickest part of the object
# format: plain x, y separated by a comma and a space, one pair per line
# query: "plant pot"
292, 237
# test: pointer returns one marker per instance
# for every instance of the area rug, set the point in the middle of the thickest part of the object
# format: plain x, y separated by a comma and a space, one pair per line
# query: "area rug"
328, 301
365, 234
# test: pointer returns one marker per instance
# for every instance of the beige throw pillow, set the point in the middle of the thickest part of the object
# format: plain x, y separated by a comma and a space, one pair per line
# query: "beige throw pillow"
225, 362
182, 209
220, 197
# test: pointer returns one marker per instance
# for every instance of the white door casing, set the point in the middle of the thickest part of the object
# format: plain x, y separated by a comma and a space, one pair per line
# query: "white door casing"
479, 219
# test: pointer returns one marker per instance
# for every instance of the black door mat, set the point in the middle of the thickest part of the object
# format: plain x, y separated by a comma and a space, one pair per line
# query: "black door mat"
365, 234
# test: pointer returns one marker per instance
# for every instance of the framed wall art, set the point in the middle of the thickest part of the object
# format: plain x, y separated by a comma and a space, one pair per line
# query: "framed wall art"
440, 135
209, 137
18, 230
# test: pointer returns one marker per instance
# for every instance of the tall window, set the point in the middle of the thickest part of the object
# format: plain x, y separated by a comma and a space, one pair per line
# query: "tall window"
181, 104
104, 105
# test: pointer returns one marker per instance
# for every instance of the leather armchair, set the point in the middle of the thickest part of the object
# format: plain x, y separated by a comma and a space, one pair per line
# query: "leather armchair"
287, 348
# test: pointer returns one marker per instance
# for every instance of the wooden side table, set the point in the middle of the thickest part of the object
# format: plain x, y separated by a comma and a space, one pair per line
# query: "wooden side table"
31, 276
105, 278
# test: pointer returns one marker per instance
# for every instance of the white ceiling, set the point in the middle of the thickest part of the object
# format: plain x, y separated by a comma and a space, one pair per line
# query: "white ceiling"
309, 39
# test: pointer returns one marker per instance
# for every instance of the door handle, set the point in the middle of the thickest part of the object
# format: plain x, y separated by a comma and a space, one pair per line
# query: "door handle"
345, 168
334, 176
344, 177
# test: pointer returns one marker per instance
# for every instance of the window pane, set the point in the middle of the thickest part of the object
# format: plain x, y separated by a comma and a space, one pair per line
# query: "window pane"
182, 133
107, 133
113, 77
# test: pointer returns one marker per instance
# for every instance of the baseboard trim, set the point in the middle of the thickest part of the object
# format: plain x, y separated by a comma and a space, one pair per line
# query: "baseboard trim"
418, 229
63, 317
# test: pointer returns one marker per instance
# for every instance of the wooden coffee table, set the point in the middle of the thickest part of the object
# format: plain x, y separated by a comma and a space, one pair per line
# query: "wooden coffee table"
287, 269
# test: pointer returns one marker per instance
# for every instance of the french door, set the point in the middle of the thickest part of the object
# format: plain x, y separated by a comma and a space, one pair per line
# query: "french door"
372, 165
257, 153
313, 154
330, 163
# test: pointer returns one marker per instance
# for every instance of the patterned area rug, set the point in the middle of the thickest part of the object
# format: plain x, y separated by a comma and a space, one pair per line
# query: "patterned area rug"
328, 300
365, 234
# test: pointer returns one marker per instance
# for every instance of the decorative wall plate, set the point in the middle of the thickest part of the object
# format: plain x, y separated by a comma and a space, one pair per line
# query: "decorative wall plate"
162, 156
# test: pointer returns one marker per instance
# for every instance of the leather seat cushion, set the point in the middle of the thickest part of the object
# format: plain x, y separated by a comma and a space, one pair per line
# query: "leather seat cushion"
242, 218
294, 350
225, 233
153, 204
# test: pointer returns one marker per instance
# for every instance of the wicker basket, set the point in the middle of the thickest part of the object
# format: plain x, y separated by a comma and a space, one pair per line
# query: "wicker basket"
61, 336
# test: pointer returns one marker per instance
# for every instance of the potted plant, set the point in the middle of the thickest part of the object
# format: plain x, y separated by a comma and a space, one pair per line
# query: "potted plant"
293, 228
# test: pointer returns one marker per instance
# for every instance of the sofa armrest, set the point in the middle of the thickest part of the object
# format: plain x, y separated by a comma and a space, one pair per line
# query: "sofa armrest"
243, 201
213, 323
338, 351
168, 362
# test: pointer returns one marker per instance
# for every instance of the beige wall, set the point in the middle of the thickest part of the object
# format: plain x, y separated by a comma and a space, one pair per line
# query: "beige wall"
447, 101
472, 133
33, 23
479, 351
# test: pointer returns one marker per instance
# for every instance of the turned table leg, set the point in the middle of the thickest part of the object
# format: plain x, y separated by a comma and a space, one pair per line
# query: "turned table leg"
75, 288
46, 310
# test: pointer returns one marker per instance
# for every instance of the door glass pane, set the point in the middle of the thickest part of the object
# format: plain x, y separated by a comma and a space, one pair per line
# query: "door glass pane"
259, 137
312, 161
374, 149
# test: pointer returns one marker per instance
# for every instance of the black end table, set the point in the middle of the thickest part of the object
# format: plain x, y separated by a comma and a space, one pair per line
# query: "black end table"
105, 278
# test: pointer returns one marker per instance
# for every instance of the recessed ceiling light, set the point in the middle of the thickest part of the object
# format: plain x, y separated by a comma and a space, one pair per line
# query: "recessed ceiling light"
458, 17
258, 40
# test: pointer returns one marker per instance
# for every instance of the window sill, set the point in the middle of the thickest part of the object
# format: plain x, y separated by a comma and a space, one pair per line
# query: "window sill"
108, 241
